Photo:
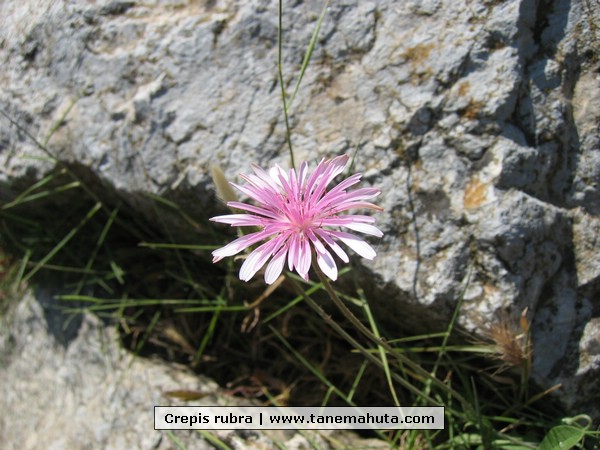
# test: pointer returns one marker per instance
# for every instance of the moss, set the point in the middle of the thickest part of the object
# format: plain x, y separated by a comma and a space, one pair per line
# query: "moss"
472, 110
463, 88
418, 54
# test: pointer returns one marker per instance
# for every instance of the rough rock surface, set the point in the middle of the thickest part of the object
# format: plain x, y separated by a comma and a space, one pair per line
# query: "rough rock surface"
75, 388
478, 120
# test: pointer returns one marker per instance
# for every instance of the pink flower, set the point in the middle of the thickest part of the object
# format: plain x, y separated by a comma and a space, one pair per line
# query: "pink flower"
296, 214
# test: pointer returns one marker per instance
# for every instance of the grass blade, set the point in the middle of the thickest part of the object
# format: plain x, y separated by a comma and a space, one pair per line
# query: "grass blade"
382, 352
63, 242
309, 52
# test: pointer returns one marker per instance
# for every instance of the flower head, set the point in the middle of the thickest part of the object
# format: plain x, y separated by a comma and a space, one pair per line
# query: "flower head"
296, 214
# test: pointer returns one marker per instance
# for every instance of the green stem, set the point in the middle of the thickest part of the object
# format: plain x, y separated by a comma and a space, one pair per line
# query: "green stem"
381, 342
281, 83
344, 309
353, 342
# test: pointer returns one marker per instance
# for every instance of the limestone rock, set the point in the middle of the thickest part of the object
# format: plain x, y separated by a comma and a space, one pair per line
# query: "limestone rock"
478, 120
75, 388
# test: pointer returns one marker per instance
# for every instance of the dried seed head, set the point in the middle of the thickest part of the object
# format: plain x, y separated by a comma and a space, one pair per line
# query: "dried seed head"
224, 190
511, 340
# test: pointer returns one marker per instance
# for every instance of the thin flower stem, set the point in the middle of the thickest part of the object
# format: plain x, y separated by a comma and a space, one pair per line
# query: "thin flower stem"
381, 342
344, 309
354, 343
281, 83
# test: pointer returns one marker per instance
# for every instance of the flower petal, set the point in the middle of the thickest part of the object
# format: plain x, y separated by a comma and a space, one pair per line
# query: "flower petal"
276, 173
365, 228
265, 178
348, 218
317, 244
302, 177
324, 234
241, 220
354, 205
254, 209
304, 258
340, 188
242, 243
312, 179
342, 198
327, 264
258, 258
275, 266
261, 195
355, 243
333, 169
293, 252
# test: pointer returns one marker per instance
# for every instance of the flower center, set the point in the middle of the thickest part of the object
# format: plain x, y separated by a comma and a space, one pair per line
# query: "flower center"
300, 221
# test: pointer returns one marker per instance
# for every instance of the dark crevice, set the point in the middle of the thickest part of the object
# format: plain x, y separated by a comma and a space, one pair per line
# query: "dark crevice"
544, 9
116, 8
554, 153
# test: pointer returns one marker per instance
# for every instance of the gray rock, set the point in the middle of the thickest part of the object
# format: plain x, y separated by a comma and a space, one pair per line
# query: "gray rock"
478, 120
586, 238
78, 389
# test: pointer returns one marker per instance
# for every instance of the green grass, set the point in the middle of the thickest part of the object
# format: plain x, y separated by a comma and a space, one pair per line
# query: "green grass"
289, 345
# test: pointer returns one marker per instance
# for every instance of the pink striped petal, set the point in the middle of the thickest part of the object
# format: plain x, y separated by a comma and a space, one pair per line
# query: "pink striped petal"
314, 177
240, 220
265, 178
340, 188
343, 220
335, 167
275, 266
354, 205
317, 244
242, 243
302, 177
304, 257
323, 234
258, 258
365, 228
347, 197
327, 264
293, 252
254, 209
355, 243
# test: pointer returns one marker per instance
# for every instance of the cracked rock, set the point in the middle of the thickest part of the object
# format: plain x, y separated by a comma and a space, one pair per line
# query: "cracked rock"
478, 120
